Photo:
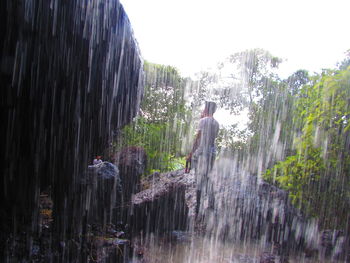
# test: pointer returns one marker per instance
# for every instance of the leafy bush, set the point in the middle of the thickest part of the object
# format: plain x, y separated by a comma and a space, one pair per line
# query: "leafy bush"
162, 122
318, 176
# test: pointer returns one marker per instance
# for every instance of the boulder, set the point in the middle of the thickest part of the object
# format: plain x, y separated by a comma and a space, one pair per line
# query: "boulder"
333, 243
165, 205
267, 258
103, 192
132, 163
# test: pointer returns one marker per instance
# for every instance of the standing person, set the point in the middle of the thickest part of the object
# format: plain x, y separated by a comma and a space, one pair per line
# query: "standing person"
203, 152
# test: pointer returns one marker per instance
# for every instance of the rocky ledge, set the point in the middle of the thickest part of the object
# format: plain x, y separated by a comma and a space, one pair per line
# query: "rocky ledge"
165, 204
245, 209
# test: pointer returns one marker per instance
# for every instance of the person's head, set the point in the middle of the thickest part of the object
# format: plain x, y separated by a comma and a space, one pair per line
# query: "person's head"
209, 108
98, 157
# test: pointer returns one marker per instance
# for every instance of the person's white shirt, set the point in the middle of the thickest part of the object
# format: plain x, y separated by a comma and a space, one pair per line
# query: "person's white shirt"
209, 128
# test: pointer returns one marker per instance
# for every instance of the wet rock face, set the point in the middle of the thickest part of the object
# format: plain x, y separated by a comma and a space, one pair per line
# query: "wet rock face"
162, 213
267, 258
70, 74
250, 210
165, 205
104, 193
334, 244
132, 163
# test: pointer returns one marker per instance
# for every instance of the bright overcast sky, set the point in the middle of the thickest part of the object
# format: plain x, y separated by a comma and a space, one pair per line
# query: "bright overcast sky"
195, 34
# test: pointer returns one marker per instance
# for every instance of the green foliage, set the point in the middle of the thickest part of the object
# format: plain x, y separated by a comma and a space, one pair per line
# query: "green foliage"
153, 137
271, 118
161, 125
297, 80
318, 176
256, 68
164, 94
346, 61
231, 138
300, 175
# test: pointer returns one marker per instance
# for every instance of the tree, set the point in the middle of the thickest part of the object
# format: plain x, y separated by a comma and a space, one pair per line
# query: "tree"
317, 176
162, 123
164, 94
297, 80
256, 68
346, 61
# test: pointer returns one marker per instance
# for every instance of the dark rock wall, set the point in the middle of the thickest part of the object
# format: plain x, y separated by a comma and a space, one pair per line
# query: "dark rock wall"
71, 74
163, 213
167, 203
132, 162
104, 193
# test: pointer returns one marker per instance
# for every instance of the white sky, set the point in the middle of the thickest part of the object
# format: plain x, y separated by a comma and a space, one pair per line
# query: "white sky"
196, 34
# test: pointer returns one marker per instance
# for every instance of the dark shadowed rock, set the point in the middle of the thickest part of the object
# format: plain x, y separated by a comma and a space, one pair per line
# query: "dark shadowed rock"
104, 192
334, 244
132, 163
165, 205
71, 74
267, 258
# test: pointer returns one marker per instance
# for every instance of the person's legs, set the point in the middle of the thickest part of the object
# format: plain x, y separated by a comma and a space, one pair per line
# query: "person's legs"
204, 185
210, 186
198, 201
200, 175
212, 160
194, 162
